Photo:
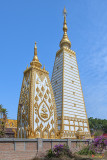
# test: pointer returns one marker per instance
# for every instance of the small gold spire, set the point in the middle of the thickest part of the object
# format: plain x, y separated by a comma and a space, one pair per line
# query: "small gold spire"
35, 62
44, 67
35, 53
65, 40
65, 24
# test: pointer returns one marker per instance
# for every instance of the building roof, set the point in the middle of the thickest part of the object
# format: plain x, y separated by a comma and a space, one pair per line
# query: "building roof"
10, 123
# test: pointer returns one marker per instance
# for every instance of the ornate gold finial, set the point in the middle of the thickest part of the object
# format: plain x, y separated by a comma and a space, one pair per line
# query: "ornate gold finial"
35, 53
35, 62
65, 40
64, 11
44, 67
65, 24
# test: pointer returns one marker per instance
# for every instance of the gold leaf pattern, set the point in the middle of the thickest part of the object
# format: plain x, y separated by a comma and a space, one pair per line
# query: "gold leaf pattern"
36, 108
36, 98
49, 100
40, 95
52, 121
36, 105
48, 126
37, 89
37, 82
45, 96
41, 126
47, 85
37, 120
51, 107
47, 91
51, 110
42, 89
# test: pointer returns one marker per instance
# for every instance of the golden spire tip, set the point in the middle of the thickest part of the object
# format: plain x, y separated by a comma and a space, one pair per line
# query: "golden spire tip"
44, 67
35, 62
35, 45
64, 11
65, 40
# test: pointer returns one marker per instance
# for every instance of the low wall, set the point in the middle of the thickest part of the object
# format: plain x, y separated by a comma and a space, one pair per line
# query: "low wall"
20, 149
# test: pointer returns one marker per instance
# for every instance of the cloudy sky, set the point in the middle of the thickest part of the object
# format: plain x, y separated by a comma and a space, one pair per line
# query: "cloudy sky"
24, 22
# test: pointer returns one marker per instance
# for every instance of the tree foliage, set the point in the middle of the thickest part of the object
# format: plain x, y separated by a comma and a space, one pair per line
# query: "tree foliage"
97, 125
3, 117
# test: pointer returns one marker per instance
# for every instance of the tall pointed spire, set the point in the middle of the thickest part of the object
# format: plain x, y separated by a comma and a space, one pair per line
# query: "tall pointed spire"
65, 40
35, 53
35, 62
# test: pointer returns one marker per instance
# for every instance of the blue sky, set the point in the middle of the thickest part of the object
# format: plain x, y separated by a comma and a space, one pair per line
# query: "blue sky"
24, 22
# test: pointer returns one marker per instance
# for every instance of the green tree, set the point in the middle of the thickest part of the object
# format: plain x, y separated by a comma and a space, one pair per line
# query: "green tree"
97, 126
105, 126
3, 117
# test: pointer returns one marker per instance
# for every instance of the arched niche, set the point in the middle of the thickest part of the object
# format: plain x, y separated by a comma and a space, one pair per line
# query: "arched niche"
45, 133
52, 133
38, 133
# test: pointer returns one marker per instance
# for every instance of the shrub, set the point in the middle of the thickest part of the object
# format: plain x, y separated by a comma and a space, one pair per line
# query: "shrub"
98, 144
86, 151
50, 153
59, 151
98, 133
